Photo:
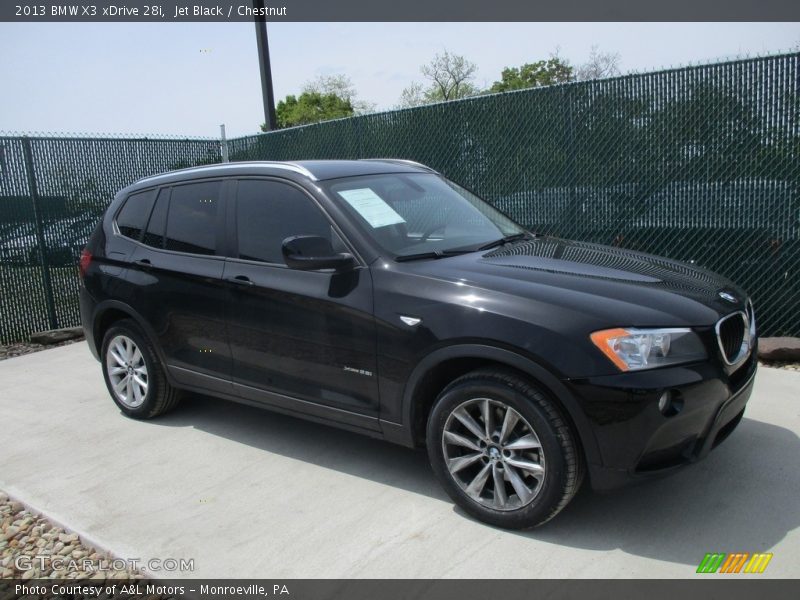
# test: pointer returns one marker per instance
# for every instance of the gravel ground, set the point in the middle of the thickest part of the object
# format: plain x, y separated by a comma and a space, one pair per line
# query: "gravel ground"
33, 548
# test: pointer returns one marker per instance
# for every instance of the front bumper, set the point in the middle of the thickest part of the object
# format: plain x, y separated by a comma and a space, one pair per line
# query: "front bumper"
636, 441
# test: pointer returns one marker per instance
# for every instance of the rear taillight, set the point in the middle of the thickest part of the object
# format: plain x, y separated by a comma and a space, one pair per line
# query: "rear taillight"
84, 262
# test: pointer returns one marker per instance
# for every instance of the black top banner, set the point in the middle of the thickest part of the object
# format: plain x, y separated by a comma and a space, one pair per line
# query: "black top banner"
398, 10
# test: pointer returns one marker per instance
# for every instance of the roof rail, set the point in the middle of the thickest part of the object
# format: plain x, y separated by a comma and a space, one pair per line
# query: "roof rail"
265, 163
403, 161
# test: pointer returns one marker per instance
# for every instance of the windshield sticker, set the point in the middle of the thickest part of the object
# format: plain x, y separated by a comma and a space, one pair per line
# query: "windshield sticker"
372, 207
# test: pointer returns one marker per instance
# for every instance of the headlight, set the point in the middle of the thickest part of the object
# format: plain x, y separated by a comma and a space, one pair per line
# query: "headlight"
636, 349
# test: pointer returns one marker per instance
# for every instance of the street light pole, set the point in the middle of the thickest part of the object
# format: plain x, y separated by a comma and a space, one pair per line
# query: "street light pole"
264, 66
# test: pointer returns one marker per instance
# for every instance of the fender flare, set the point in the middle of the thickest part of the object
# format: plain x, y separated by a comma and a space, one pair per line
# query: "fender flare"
512, 359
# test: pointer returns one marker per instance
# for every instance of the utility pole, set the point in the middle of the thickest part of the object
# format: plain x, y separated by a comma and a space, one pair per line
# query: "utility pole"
264, 66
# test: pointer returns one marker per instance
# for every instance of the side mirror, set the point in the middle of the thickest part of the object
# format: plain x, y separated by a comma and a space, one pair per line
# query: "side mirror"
312, 252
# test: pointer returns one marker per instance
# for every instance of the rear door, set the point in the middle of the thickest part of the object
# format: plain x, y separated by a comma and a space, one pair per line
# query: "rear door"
176, 277
305, 335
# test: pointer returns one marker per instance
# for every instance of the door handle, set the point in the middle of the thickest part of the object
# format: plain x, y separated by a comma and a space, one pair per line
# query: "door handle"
143, 264
240, 280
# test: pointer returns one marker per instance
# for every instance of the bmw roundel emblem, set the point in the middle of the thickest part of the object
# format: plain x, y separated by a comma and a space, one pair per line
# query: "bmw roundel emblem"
729, 297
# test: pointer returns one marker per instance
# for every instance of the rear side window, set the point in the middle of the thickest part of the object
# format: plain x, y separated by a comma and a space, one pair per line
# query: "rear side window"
157, 227
267, 212
133, 216
192, 218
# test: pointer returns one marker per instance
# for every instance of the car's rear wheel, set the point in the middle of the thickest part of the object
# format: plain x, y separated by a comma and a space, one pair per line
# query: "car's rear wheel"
503, 450
133, 374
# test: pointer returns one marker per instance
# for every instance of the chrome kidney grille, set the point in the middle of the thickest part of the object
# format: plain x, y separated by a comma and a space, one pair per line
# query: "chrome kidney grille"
736, 334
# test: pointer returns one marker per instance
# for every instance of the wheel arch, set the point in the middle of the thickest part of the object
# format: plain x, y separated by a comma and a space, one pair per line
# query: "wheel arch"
111, 311
442, 366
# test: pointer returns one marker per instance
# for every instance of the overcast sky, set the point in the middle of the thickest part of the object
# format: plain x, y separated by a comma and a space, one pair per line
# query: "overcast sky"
186, 79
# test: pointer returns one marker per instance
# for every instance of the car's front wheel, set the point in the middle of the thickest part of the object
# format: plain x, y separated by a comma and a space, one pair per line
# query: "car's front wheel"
503, 450
133, 373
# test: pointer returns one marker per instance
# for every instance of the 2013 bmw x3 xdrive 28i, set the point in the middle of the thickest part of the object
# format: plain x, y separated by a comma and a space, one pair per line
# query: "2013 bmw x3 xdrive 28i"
379, 296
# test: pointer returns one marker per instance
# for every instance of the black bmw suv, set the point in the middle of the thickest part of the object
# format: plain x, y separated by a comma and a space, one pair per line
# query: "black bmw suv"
378, 296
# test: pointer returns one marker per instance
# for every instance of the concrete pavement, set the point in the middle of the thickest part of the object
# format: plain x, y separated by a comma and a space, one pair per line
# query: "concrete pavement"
249, 493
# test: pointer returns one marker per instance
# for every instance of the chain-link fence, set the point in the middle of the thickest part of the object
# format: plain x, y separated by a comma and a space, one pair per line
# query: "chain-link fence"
52, 192
699, 163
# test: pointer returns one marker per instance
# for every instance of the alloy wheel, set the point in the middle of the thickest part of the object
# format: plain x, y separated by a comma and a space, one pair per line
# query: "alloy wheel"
493, 454
127, 371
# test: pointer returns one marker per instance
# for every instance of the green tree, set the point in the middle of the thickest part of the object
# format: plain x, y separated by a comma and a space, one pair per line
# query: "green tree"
322, 99
310, 107
342, 86
537, 74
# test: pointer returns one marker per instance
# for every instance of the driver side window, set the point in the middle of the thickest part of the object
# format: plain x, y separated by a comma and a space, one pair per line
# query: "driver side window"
267, 212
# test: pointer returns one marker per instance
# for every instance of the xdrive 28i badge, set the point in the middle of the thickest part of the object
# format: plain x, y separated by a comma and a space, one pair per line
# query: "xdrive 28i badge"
729, 297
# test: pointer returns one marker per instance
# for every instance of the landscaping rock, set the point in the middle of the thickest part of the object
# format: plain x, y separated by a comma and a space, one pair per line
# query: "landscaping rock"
32, 536
55, 336
779, 349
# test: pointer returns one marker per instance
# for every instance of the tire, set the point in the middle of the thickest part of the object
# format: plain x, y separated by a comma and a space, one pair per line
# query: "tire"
518, 482
125, 346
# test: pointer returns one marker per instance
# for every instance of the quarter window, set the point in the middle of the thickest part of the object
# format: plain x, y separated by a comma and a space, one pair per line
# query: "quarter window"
192, 219
133, 216
267, 212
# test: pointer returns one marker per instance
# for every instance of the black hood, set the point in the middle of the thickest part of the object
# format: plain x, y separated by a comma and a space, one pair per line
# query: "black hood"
616, 264
601, 280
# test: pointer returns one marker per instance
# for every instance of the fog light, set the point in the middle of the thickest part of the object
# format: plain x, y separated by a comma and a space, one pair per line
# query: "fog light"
670, 403
664, 402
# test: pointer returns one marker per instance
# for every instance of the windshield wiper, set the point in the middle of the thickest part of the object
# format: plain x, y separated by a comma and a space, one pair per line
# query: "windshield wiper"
431, 254
505, 240
456, 251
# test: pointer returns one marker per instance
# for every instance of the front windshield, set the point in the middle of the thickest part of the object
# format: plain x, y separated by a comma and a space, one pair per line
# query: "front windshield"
413, 213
